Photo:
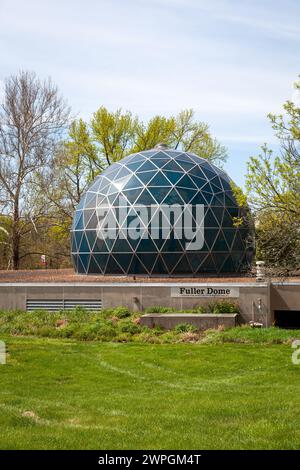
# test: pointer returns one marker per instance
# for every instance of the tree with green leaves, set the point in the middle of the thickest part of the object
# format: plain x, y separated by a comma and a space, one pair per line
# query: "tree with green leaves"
273, 187
113, 135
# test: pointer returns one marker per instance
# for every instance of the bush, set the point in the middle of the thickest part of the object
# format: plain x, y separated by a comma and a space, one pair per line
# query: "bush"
159, 309
121, 312
104, 331
127, 326
185, 328
223, 306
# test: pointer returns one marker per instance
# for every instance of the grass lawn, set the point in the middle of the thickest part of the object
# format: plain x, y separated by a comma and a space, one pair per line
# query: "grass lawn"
64, 394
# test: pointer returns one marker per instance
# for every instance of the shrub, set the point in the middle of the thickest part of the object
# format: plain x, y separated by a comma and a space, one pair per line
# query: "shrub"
121, 312
223, 306
159, 309
127, 326
104, 331
201, 309
185, 328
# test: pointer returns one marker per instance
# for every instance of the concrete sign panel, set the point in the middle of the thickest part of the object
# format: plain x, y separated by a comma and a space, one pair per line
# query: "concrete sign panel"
207, 291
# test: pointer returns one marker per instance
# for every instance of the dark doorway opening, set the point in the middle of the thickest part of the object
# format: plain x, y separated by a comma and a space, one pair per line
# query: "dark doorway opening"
287, 318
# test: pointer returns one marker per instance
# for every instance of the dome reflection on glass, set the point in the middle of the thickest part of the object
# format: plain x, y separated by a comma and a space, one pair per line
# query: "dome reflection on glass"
156, 179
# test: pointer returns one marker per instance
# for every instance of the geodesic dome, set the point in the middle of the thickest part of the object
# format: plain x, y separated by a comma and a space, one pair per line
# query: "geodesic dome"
155, 179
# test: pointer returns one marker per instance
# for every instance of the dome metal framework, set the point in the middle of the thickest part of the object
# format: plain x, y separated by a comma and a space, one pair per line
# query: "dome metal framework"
155, 178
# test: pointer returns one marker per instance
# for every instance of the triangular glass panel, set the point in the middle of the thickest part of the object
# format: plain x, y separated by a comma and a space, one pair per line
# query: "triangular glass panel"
217, 183
185, 163
226, 184
195, 260
199, 198
173, 176
80, 266
237, 259
77, 215
134, 166
198, 172
208, 265
208, 173
147, 165
147, 176
101, 260
87, 214
78, 237
112, 170
173, 198
217, 200
124, 260
173, 166
210, 220
228, 266
91, 238
121, 246
160, 162
146, 245
229, 198
84, 247
132, 194
148, 260
137, 267
238, 244
208, 196
186, 182
145, 198
90, 200
113, 267
158, 155
229, 234
74, 246
123, 173
218, 213
81, 203
79, 225
199, 182
159, 267
85, 259
220, 260
159, 193
171, 259
227, 219
133, 183
100, 246
93, 222
159, 180
210, 235
94, 268
187, 194
183, 266
220, 243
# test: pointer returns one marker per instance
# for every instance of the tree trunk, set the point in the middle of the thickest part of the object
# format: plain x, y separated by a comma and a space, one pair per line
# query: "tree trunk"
16, 250
16, 236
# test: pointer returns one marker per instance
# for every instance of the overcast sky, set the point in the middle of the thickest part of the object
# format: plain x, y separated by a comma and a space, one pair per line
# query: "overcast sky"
232, 61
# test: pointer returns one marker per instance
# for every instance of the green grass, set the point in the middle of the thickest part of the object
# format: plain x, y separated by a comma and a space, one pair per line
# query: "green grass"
67, 394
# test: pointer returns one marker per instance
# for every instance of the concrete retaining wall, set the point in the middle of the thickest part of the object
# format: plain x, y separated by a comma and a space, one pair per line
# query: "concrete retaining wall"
202, 321
252, 298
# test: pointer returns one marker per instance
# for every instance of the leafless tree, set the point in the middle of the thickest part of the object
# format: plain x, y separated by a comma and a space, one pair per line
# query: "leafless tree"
32, 119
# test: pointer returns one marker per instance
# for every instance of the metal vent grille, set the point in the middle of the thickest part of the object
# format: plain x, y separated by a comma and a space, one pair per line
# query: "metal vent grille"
56, 305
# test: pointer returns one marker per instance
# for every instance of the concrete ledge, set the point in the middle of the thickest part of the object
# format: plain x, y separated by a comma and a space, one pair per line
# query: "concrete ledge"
202, 321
